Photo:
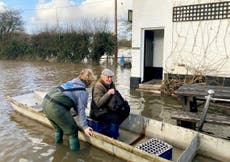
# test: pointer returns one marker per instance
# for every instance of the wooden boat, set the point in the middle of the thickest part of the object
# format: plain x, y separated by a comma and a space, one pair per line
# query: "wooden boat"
186, 143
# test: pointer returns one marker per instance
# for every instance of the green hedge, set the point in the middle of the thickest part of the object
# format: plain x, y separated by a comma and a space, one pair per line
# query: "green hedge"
63, 47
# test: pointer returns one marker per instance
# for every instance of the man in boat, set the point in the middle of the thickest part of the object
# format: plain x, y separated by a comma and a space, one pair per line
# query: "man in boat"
102, 94
58, 102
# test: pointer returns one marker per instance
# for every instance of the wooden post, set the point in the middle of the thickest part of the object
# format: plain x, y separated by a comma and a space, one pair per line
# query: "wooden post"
115, 32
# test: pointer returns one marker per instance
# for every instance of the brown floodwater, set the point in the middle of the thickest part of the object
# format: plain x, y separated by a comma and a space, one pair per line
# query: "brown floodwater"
23, 140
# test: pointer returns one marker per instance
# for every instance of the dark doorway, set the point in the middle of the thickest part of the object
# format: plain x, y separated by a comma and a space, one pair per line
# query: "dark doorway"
153, 54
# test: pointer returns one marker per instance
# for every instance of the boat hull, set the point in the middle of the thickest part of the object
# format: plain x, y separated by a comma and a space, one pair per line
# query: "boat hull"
140, 126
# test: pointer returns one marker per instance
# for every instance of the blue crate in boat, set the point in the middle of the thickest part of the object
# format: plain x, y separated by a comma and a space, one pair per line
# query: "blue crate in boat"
97, 126
157, 147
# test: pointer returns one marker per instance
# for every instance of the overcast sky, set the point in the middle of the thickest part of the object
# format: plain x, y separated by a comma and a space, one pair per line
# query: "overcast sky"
36, 13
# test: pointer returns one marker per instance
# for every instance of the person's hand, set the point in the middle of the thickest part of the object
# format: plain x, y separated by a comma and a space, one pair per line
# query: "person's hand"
111, 91
88, 131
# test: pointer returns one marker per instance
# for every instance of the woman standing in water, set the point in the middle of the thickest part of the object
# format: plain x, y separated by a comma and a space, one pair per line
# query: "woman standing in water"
58, 102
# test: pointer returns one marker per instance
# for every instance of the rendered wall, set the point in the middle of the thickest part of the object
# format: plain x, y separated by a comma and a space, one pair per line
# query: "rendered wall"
199, 47
148, 15
193, 47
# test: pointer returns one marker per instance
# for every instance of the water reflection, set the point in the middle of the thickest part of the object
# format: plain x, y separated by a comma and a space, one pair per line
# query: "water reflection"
32, 145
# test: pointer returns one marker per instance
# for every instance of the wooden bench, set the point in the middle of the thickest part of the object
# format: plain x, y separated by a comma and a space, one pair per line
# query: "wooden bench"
182, 117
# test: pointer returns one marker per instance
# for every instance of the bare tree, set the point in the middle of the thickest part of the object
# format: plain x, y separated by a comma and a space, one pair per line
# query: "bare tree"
10, 22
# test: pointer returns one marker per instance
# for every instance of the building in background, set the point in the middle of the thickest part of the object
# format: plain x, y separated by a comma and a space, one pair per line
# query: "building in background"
177, 37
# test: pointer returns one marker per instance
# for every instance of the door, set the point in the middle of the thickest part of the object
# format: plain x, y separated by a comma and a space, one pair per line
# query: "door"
153, 54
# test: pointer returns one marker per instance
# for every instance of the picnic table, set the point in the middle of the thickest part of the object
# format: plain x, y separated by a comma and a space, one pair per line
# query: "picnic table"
189, 94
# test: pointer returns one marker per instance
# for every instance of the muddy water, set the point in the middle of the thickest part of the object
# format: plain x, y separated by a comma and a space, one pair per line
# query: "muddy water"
23, 140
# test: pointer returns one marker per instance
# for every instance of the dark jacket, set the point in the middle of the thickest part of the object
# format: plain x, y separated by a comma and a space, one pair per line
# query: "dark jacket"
100, 99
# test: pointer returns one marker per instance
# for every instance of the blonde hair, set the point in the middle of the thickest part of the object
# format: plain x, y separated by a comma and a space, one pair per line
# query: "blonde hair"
87, 76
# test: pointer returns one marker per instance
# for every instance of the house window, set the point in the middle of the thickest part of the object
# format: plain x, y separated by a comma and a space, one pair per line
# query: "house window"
130, 15
199, 12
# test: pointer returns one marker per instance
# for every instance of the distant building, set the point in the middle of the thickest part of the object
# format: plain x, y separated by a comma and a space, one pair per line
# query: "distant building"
189, 38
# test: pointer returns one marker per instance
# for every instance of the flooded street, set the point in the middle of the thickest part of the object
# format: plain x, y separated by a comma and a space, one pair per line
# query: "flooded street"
23, 140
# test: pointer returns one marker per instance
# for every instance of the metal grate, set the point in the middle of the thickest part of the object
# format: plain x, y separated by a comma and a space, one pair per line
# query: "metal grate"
199, 12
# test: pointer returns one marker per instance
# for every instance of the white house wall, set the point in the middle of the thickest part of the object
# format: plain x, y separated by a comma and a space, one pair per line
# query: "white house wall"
158, 44
136, 62
195, 47
199, 47
148, 15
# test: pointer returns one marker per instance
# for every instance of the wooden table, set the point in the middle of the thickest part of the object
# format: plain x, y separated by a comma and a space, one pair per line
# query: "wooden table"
189, 94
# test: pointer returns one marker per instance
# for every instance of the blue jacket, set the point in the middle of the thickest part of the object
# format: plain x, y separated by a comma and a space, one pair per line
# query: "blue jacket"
79, 97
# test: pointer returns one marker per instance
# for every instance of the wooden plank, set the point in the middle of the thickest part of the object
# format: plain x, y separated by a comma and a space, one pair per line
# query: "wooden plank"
194, 117
185, 116
202, 90
150, 86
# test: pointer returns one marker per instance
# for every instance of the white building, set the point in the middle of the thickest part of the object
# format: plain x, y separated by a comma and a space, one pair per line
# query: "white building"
171, 37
